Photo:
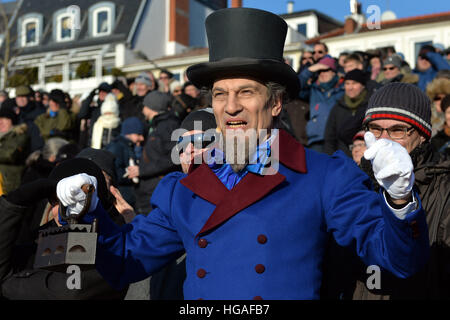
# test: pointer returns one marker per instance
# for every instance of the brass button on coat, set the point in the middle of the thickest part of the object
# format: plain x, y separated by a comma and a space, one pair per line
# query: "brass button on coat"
259, 268
201, 273
202, 243
262, 239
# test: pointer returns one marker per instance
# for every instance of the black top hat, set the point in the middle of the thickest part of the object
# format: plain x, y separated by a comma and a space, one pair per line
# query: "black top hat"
245, 42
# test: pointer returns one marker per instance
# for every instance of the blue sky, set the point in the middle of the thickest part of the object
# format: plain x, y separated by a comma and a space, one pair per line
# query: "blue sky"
338, 9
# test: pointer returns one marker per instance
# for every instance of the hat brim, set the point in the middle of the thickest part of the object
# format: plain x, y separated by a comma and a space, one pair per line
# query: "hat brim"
204, 74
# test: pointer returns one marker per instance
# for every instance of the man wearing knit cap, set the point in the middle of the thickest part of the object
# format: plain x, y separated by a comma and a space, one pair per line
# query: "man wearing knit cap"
392, 70
401, 113
56, 122
155, 161
322, 95
258, 228
349, 109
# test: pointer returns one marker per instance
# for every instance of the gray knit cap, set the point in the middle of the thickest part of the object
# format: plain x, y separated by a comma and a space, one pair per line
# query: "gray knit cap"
401, 101
157, 101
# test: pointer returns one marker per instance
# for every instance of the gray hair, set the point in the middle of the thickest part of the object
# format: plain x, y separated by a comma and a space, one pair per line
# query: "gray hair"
52, 147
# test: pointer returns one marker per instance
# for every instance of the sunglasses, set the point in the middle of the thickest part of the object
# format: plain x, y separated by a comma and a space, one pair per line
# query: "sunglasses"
390, 68
320, 71
198, 140
318, 51
438, 98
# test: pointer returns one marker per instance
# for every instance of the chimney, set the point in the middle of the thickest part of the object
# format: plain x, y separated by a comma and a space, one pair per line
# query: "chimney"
236, 3
350, 25
290, 6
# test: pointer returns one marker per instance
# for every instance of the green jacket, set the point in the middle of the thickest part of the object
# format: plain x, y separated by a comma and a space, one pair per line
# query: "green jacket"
13, 152
51, 127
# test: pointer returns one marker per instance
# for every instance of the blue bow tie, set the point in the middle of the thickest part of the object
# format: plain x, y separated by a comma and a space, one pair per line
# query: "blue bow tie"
257, 163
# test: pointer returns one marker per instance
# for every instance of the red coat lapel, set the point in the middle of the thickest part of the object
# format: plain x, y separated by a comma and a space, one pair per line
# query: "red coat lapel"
249, 190
203, 182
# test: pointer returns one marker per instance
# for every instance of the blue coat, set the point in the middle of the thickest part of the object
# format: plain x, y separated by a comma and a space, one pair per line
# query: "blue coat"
266, 237
437, 63
320, 104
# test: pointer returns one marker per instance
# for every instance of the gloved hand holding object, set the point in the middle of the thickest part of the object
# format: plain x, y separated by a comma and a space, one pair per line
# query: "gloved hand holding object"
70, 193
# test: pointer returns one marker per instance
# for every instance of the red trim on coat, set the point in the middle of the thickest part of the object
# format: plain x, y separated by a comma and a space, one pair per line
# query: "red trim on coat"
253, 187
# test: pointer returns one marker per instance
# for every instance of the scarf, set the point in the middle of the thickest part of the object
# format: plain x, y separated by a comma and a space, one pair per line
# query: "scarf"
353, 103
107, 121
330, 84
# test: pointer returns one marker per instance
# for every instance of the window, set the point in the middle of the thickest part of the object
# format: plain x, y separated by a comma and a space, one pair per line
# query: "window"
301, 28
418, 46
101, 18
102, 22
64, 30
30, 29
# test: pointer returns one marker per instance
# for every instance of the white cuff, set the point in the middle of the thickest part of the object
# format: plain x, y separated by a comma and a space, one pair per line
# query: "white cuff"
401, 213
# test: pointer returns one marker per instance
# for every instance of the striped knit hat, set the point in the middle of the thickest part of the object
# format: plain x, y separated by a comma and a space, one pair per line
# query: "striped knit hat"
403, 102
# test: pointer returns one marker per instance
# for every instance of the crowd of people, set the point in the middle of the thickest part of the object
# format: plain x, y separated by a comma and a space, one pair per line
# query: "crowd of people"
126, 127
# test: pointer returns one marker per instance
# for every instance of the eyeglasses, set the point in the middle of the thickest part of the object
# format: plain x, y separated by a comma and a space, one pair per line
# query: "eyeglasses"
318, 51
395, 132
199, 141
390, 68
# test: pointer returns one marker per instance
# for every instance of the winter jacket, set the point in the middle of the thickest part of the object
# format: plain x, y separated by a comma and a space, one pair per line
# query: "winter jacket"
437, 63
404, 78
337, 135
13, 152
123, 150
59, 126
432, 181
320, 104
440, 139
156, 158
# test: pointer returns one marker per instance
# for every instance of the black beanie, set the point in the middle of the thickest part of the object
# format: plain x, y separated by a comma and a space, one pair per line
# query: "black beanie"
6, 112
57, 96
206, 116
356, 75
401, 101
102, 158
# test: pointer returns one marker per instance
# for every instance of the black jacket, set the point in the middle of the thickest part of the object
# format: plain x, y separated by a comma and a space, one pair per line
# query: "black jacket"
123, 149
342, 124
432, 180
156, 159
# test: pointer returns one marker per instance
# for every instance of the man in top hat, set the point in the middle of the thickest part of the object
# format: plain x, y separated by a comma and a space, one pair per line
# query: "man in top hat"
257, 229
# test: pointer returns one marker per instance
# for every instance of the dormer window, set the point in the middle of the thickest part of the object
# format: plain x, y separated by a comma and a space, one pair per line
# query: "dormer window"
30, 29
101, 19
64, 30
102, 22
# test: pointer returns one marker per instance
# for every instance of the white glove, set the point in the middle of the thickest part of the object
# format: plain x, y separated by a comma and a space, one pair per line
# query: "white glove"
71, 196
391, 165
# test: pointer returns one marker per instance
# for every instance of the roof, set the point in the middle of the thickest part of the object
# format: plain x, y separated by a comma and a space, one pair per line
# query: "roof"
125, 15
309, 12
390, 24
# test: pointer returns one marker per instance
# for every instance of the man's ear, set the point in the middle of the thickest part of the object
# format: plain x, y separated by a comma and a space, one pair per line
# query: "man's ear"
276, 108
